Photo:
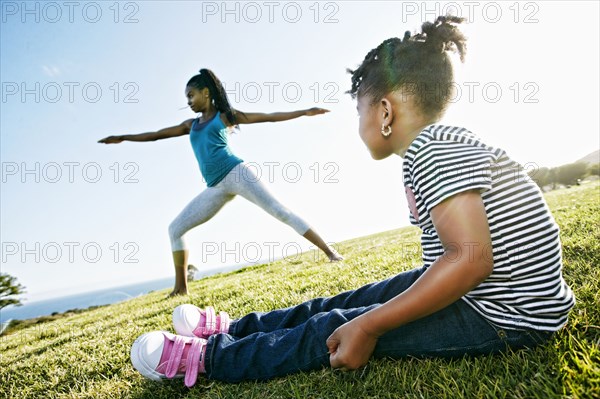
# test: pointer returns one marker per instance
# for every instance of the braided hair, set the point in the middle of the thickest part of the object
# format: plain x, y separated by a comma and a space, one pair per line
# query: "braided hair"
206, 78
418, 64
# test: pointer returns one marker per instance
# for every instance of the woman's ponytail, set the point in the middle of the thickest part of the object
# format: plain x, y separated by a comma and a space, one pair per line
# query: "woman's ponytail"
219, 95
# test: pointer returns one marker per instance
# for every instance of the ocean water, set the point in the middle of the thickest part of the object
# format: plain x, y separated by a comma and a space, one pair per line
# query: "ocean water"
96, 298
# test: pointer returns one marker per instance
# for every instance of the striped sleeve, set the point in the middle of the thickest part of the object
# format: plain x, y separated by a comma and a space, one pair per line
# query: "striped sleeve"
442, 169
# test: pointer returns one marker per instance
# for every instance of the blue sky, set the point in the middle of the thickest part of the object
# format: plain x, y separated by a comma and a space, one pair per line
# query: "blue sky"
78, 215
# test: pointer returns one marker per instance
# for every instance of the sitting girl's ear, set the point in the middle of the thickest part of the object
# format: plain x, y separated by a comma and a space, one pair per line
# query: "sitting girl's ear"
387, 111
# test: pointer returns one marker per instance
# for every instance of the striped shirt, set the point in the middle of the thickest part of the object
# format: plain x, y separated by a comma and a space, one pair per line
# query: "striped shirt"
526, 288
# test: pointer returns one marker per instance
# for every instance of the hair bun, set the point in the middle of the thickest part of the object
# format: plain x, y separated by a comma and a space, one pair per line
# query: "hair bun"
443, 35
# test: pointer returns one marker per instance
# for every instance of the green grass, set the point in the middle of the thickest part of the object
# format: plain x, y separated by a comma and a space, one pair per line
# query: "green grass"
86, 355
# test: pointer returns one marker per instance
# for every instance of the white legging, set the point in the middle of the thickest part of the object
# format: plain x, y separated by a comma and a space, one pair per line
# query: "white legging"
241, 180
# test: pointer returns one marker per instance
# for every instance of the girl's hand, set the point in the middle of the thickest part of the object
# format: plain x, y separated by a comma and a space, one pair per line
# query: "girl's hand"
111, 140
350, 346
316, 111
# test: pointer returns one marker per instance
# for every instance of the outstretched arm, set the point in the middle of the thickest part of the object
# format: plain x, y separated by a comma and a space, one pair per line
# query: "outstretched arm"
168, 132
256, 117
462, 226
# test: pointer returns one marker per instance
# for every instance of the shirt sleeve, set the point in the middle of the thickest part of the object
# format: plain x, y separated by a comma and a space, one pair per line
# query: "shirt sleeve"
442, 169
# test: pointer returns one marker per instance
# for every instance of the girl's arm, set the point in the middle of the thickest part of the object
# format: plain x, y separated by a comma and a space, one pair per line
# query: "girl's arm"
168, 132
461, 224
256, 117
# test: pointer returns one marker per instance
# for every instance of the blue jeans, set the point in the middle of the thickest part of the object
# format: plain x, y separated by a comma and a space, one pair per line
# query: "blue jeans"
260, 346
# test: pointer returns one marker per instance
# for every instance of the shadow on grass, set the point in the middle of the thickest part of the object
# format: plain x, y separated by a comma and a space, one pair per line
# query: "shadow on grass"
168, 389
525, 373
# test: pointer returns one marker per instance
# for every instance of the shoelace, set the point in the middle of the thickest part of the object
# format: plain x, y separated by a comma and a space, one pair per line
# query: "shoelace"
208, 326
193, 365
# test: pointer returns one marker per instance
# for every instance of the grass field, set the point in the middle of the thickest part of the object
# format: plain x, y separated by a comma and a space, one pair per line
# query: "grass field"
86, 355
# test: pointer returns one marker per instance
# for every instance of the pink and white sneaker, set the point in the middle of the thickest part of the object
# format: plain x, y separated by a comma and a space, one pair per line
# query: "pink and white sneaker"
159, 354
191, 321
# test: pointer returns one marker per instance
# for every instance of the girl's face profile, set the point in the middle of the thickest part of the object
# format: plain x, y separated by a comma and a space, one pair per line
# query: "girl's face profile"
197, 98
369, 128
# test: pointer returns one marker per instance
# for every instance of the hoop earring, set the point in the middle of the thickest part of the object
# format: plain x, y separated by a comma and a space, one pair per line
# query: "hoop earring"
386, 131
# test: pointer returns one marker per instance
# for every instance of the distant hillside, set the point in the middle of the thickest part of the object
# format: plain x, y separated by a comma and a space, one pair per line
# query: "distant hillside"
594, 157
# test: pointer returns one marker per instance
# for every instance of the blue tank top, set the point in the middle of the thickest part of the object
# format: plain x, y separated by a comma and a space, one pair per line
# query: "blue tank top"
209, 142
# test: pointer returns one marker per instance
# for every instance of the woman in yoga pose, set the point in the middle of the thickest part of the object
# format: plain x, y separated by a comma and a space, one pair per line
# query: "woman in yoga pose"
225, 174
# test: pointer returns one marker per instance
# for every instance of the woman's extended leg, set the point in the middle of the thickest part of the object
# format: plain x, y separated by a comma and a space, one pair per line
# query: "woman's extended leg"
199, 210
243, 181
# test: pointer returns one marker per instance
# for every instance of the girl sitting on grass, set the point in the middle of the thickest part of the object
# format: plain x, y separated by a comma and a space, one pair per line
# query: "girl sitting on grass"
491, 277
225, 174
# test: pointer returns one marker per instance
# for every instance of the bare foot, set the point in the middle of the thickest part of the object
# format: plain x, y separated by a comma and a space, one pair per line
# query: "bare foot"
334, 256
178, 292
